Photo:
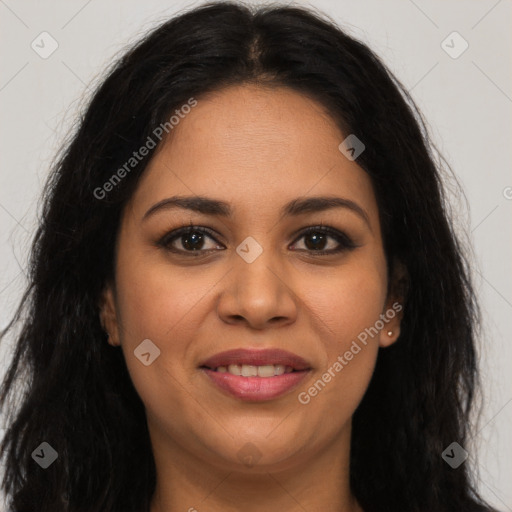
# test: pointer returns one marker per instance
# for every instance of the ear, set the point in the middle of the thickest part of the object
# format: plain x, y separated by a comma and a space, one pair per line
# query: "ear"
108, 315
394, 308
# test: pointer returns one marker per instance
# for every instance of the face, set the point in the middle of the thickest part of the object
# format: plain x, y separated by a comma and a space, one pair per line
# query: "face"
251, 280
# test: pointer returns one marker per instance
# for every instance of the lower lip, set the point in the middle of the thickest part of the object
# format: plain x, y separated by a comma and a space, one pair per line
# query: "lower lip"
256, 389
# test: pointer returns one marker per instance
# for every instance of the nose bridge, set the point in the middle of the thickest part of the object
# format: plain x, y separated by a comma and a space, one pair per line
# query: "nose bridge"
254, 273
254, 276
257, 290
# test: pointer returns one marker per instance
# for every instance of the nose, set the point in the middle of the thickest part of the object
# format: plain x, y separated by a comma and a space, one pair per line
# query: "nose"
258, 294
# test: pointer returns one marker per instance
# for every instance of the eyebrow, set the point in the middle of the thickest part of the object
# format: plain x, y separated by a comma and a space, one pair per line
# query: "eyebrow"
209, 206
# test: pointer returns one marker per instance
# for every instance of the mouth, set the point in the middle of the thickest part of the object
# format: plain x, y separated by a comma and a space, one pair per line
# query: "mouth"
256, 375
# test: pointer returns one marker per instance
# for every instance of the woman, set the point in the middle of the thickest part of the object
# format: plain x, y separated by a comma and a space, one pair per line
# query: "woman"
245, 291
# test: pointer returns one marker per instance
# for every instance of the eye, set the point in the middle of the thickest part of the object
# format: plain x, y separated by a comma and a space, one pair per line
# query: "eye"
191, 239
316, 239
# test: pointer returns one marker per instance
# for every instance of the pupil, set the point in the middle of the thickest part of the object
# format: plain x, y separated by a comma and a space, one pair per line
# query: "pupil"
196, 238
318, 240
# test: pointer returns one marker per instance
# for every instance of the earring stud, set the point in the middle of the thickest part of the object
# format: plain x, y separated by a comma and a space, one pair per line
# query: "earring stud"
390, 333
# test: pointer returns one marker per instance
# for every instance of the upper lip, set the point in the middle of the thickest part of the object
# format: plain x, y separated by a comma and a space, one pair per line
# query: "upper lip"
259, 357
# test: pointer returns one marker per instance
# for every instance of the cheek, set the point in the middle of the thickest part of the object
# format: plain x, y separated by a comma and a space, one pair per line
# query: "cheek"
348, 307
161, 306
350, 300
157, 303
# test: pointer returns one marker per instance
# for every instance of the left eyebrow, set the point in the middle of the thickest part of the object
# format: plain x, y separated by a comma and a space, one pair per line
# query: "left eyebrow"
322, 203
300, 206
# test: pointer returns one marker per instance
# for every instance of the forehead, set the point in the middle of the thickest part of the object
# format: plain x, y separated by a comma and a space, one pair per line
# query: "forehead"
254, 147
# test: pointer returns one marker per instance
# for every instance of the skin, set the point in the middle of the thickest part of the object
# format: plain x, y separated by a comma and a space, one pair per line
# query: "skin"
255, 148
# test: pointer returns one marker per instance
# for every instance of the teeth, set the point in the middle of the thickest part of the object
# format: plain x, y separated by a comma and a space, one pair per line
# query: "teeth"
279, 369
266, 371
247, 370
234, 369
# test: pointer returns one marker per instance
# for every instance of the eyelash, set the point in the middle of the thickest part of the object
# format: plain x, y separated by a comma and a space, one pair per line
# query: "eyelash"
346, 243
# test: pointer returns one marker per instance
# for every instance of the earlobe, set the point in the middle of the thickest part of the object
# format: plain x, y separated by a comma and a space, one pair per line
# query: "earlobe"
108, 317
393, 312
389, 334
392, 316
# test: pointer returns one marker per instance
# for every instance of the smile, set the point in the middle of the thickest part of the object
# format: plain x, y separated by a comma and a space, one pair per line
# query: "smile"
255, 375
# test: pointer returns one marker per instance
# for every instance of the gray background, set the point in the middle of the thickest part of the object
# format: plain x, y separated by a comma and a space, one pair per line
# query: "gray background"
466, 100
